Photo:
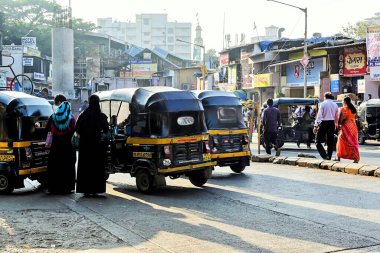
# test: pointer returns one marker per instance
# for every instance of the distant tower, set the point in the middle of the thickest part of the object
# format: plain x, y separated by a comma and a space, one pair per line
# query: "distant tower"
197, 54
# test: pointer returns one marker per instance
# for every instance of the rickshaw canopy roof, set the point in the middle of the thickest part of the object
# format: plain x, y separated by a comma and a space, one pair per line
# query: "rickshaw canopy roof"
371, 102
217, 98
173, 101
124, 95
24, 105
295, 101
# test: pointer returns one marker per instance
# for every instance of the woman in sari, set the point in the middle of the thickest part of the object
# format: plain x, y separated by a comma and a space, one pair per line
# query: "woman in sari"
347, 146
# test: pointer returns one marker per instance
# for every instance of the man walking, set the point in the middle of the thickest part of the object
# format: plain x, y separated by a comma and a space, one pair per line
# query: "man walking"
325, 125
271, 121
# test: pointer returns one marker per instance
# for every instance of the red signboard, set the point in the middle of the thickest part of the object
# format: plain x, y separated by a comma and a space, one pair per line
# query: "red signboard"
355, 62
223, 59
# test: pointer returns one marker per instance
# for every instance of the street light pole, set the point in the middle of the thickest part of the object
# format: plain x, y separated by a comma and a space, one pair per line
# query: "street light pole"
304, 42
204, 60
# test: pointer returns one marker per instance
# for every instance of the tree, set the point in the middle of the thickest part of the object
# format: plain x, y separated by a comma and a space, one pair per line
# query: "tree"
357, 31
34, 18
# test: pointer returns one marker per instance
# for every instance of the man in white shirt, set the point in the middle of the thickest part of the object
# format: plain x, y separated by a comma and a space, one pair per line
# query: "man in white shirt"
325, 125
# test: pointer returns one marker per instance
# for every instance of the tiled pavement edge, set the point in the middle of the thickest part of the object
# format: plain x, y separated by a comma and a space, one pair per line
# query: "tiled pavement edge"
350, 168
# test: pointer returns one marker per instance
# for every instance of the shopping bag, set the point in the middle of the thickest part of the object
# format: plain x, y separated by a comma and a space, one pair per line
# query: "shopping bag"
49, 140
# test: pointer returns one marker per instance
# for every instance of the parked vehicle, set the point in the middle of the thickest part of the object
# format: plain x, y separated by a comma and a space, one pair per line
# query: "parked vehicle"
229, 142
369, 123
293, 128
22, 139
157, 132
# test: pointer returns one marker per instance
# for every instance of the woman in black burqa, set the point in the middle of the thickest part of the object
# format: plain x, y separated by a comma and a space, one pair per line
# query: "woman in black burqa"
92, 151
62, 156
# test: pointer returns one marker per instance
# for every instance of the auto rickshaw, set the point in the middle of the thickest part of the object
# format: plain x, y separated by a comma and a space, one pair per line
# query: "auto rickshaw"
293, 128
369, 114
158, 132
22, 139
229, 142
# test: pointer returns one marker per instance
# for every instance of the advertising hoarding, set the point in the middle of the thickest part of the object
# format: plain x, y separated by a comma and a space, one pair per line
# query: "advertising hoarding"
294, 73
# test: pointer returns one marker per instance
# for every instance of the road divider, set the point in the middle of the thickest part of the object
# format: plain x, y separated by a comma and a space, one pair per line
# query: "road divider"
314, 163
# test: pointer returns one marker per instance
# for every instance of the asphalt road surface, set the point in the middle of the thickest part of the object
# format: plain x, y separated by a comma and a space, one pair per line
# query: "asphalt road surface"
268, 208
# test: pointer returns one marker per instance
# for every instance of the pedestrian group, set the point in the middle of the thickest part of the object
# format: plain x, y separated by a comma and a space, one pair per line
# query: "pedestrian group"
90, 128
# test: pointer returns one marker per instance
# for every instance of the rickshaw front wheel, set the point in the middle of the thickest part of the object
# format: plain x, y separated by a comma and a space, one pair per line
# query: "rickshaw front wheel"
197, 178
237, 168
6, 183
144, 181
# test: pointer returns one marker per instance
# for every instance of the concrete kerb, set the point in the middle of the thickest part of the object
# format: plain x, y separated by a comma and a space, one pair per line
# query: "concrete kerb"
261, 158
339, 166
377, 173
314, 163
291, 160
279, 159
327, 165
303, 162
368, 170
354, 168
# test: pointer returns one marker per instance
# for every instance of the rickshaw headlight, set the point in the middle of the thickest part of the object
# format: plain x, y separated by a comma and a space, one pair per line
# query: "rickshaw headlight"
166, 162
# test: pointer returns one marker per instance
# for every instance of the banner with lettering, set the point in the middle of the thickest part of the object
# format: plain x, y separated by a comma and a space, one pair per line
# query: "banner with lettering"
355, 62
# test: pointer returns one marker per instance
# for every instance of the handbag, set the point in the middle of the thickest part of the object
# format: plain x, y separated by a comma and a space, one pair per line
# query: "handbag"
49, 140
75, 140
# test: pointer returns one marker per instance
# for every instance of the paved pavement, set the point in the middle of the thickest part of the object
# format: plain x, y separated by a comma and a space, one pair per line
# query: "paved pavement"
268, 208
369, 152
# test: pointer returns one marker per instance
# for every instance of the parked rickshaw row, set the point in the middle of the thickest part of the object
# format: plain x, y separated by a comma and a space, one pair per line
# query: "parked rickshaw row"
157, 132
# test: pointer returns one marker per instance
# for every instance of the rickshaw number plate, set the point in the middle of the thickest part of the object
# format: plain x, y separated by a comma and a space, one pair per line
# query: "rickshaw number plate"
142, 154
7, 158
206, 157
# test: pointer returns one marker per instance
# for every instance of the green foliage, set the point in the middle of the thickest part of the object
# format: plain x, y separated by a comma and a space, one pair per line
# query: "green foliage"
279, 94
33, 18
357, 31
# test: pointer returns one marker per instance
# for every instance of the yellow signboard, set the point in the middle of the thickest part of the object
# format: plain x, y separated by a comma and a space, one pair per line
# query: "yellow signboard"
261, 80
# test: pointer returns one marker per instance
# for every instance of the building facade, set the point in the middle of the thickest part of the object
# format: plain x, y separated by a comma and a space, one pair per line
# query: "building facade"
149, 31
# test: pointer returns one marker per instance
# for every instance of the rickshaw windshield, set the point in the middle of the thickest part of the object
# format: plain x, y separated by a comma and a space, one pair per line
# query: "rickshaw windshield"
224, 117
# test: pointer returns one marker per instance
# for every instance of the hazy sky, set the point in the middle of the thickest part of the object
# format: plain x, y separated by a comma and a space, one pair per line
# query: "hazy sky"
325, 16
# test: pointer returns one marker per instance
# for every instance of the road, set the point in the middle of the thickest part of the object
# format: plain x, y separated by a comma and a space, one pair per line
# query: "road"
369, 152
268, 208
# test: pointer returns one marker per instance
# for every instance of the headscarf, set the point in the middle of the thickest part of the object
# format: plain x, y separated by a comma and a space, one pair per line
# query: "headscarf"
62, 116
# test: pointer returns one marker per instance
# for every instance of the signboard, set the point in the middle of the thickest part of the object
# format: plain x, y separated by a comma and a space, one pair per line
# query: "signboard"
294, 73
28, 51
223, 59
361, 86
247, 82
29, 42
38, 76
354, 62
261, 80
13, 49
374, 73
140, 61
373, 46
142, 71
147, 56
334, 83
27, 62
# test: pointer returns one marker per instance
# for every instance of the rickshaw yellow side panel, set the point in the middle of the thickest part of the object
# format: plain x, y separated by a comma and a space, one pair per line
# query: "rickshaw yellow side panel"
7, 158
23, 172
188, 167
229, 155
16, 144
158, 141
240, 131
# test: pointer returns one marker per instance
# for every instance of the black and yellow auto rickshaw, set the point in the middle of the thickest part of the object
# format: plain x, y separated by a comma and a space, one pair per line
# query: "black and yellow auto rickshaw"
229, 142
294, 128
22, 139
369, 120
157, 132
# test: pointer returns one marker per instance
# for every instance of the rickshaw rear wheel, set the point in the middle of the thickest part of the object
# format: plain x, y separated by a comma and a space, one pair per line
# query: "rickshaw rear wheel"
144, 181
237, 168
6, 183
197, 178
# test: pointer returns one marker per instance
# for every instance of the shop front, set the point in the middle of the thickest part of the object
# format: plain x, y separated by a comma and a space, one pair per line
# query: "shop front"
262, 83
